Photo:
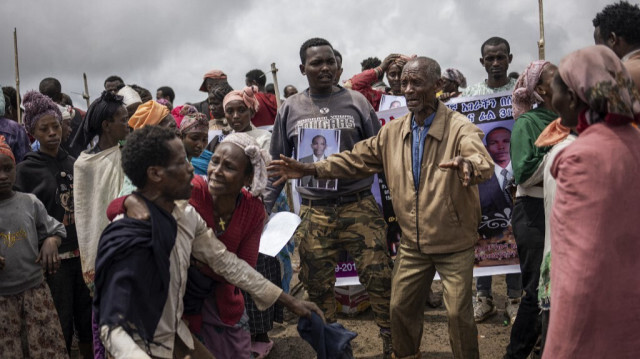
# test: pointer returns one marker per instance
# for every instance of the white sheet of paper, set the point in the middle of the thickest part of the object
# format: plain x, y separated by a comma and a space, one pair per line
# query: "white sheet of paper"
277, 232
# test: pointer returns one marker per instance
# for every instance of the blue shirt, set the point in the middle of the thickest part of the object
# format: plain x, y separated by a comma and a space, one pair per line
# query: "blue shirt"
418, 136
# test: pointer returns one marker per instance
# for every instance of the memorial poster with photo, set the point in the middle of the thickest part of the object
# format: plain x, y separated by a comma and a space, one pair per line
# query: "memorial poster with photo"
316, 145
388, 102
496, 250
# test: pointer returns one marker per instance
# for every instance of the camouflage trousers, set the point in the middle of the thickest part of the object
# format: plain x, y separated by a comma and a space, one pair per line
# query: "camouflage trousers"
358, 228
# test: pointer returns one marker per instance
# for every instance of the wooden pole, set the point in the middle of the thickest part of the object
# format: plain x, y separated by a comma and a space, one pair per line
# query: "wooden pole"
85, 95
541, 41
287, 188
275, 83
15, 48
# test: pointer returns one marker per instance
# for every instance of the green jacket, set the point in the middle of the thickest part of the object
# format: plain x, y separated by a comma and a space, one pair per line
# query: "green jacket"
525, 156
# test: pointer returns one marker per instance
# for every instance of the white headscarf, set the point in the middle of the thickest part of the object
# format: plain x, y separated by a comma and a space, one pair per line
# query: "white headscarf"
67, 112
130, 96
259, 159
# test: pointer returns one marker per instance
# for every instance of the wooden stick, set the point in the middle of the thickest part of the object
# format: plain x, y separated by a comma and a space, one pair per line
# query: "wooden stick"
85, 95
287, 187
541, 41
15, 48
275, 83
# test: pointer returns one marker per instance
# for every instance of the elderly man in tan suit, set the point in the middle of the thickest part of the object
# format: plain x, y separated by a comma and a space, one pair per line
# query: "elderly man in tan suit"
433, 158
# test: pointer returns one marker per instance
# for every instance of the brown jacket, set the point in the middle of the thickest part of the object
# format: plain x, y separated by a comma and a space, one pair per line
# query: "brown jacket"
442, 216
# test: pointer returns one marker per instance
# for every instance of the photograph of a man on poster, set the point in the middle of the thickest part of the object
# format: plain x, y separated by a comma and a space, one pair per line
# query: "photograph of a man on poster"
495, 196
315, 145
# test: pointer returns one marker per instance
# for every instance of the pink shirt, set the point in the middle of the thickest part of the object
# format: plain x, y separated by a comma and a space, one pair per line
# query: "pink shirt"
595, 243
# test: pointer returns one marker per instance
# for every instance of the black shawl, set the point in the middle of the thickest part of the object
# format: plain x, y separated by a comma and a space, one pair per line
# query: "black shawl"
132, 272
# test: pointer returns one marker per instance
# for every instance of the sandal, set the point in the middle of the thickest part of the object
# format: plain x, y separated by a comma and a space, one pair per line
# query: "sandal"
260, 350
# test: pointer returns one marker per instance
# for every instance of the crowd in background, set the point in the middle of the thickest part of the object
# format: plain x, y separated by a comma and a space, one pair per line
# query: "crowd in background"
133, 228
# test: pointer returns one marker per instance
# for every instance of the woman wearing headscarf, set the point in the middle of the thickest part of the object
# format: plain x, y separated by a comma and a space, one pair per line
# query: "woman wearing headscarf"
230, 204
152, 113
533, 89
201, 160
179, 112
594, 221
453, 81
218, 128
193, 131
130, 98
239, 107
48, 174
149, 113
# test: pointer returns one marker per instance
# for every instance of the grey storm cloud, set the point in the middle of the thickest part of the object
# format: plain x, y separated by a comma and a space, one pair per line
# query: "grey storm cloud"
173, 43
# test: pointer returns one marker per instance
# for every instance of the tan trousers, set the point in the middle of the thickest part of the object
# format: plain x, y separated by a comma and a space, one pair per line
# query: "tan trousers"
409, 292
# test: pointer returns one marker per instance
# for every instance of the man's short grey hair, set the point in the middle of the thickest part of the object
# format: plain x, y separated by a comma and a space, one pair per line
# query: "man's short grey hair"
427, 64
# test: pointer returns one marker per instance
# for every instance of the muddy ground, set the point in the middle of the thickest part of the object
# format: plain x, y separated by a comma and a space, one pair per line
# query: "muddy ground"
493, 334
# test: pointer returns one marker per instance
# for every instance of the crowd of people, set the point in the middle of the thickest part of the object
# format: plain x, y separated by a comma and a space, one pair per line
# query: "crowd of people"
133, 228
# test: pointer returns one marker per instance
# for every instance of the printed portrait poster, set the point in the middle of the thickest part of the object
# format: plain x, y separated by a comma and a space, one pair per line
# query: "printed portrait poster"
316, 145
496, 249
388, 102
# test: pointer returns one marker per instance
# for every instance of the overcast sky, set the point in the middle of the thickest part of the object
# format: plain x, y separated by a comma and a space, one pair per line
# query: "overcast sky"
173, 43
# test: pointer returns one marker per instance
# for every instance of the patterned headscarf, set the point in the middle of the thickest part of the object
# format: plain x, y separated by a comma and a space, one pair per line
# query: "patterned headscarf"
600, 80
259, 159
164, 102
195, 122
179, 112
212, 74
37, 105
524, 93
246, 95
149, 113
456, 76
5, 149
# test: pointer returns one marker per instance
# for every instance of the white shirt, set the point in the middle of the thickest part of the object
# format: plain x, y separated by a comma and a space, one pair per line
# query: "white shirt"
498, 170
316, 159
